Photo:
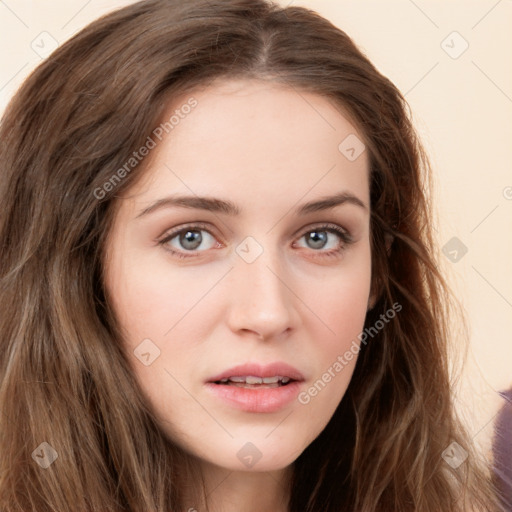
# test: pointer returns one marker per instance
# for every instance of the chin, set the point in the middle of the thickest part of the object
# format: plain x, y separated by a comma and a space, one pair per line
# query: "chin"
255, 456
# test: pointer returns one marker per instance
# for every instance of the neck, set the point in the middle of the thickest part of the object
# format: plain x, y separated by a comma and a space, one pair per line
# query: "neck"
232, 491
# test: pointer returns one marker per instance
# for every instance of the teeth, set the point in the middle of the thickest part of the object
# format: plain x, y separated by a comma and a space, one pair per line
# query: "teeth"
251, 379
254, 386
236, 379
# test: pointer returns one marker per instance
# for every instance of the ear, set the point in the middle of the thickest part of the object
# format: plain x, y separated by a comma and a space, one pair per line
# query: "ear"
374, 295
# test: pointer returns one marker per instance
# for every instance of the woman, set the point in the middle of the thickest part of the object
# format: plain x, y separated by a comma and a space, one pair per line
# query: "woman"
198, 196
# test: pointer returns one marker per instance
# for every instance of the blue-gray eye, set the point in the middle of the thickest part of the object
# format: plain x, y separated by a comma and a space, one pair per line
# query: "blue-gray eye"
191, 240
319, 239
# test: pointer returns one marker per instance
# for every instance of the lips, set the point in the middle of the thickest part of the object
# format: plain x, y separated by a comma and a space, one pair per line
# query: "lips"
253, 374
256, 388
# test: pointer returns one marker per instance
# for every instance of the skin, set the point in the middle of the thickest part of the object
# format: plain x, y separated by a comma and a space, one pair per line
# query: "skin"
268, 149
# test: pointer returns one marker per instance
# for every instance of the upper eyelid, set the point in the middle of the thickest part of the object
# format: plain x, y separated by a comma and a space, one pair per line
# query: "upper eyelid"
171, 233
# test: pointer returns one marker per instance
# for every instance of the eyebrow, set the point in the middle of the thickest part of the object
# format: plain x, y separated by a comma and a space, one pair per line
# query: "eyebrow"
227, 207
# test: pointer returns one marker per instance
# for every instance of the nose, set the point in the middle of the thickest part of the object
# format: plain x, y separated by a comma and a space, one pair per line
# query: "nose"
261, 299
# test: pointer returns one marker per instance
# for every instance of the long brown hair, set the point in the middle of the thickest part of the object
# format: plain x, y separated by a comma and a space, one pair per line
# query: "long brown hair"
65, 379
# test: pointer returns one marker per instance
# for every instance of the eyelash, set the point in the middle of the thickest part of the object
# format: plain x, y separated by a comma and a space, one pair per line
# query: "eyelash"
344, 236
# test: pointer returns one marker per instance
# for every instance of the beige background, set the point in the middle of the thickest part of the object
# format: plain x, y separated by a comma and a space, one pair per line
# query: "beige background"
462, 106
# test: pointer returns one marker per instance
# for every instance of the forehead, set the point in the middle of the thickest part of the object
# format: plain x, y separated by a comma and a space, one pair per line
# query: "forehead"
256, 139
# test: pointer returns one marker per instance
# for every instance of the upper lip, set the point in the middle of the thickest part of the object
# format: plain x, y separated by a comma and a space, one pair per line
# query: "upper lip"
260, 370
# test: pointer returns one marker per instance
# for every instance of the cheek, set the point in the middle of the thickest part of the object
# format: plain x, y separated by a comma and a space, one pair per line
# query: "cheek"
339, 308
150, 297
339, 303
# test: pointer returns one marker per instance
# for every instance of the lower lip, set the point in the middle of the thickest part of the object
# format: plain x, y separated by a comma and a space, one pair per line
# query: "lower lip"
256, 399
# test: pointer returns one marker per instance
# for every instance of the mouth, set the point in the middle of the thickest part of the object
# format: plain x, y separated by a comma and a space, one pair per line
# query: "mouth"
257, 388
253, 382
256, 376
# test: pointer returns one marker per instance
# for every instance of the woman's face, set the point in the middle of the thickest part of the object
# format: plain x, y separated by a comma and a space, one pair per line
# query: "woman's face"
226, 254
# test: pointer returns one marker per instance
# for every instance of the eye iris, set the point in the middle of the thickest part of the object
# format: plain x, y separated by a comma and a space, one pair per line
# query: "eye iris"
191, 239
318, 239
